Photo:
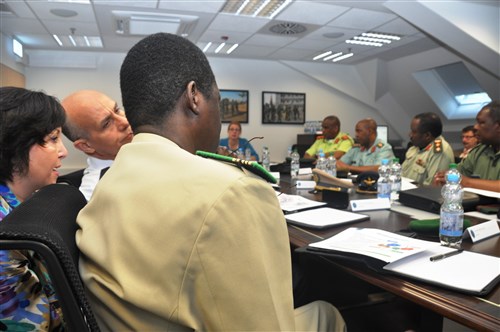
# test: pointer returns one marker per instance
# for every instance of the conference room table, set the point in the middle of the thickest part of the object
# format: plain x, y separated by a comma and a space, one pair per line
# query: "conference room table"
481, 313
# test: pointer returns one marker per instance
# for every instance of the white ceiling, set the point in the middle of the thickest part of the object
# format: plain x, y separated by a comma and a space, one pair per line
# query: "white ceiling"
33, 23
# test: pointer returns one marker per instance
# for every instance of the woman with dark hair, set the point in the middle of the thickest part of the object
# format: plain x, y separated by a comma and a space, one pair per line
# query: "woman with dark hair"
233, 143
31, 150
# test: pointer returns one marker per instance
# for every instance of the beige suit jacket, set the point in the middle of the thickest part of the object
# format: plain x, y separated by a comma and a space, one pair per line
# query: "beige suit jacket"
173, 241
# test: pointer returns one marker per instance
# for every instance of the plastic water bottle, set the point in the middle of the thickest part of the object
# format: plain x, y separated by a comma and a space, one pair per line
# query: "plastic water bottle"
331, 165
395, 179
321, 162
240, 154
289, 152
266, 161
452, 213
248, 154
383, 183
295, 164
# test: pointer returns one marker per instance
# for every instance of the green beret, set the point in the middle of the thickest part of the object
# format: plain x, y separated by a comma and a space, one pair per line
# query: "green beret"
430, 226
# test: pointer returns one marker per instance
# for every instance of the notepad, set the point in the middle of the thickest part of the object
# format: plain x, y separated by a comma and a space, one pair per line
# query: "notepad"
292, 203
467, 272
324, 217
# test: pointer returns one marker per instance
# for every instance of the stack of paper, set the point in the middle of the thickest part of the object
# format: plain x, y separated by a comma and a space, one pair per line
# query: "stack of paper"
324, 217
465, 271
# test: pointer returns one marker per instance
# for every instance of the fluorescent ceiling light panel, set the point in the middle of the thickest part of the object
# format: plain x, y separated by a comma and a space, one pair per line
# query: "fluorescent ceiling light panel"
232, 48
342, 57
72, 40
259, 8
359, 42
58, 40
380, 35
217, 50
322, 55
375, 40
332, 56
71, 1
207, 47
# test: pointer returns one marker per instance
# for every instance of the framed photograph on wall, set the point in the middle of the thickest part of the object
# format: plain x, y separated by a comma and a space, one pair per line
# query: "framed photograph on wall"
234, 105
283, 107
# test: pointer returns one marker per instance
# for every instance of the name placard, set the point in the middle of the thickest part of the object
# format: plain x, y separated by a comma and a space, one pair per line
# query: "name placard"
370, 204
483, 231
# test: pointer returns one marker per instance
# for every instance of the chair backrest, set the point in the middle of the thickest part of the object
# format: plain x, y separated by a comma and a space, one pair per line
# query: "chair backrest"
46, 224
73, 178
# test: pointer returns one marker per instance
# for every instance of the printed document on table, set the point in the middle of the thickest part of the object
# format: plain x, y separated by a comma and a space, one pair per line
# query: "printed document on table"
376, 243
467, 271
291, 203
324, 217
481, 192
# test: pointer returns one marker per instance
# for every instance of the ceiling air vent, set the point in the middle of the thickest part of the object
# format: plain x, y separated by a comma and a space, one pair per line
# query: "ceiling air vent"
147, 23
288, 28
5, 9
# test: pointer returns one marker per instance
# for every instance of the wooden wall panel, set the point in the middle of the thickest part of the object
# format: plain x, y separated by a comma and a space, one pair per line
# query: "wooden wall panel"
10, 77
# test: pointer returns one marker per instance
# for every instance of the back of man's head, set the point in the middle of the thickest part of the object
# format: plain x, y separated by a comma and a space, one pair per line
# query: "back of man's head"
155, 73
430, 122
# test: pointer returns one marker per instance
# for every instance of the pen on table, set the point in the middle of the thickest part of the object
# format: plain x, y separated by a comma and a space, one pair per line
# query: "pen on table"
443, 256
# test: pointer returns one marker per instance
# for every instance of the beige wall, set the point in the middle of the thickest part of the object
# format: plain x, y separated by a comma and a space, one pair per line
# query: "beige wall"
10, 77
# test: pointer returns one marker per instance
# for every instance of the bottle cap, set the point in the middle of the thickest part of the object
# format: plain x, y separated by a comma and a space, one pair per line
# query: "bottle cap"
453, 166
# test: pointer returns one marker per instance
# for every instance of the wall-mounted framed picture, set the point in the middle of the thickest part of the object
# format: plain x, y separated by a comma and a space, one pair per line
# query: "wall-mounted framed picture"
234, 105
283, 107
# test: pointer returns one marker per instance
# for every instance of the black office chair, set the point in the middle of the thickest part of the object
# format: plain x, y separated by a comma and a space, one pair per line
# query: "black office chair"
46, 224
73, 178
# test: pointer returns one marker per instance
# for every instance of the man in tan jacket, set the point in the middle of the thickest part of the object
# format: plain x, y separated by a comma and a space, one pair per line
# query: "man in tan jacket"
175, 241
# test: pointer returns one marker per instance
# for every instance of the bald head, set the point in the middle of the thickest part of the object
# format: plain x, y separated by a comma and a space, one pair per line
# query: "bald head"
95, 124
366, 132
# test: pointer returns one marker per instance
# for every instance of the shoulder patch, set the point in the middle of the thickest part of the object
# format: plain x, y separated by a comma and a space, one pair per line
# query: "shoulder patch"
344, 137
438, 145
320, 137
252, 166
380, 145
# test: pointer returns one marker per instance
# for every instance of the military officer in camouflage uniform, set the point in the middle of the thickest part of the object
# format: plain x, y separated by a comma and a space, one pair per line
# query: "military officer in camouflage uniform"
333, 140
481, 168
430, 152
367, 155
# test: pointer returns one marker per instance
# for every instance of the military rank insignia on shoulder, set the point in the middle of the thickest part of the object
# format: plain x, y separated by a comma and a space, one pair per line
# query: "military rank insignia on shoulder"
380, 145
251, 166
438, 145
320, 137
344, 137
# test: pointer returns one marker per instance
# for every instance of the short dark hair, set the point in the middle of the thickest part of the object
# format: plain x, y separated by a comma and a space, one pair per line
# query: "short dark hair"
26, 117
155, 73
334, 119
494, 107
429, 122
469, 128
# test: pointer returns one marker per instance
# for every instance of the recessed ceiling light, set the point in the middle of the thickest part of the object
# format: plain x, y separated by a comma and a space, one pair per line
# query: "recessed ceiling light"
63, 12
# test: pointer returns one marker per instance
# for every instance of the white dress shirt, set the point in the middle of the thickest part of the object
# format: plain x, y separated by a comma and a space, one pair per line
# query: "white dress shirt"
92, 174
